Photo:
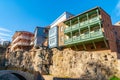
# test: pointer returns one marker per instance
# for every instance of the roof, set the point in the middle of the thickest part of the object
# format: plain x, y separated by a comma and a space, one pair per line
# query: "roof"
38, 27
21, 32
60, 17
97, 7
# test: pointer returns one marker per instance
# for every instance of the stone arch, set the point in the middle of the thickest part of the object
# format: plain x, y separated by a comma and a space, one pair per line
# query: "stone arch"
19, 76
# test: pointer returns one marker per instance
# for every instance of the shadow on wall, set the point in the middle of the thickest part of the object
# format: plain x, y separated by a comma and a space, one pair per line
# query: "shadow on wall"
46, 56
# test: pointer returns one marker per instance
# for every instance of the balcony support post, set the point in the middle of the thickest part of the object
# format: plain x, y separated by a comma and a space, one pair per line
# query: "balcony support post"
105, 43
87, 16
89, 31
78, 21
71, 31
84, 46
94, 44
75, 47
97, 12
100, 26
79, 25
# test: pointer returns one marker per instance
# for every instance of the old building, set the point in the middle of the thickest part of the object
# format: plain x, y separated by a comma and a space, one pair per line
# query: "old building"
4, 43
90, 30
54, 28
116, 31
40, 36
21, 41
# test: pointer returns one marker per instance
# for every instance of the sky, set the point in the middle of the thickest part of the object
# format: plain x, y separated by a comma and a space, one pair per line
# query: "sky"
25, 15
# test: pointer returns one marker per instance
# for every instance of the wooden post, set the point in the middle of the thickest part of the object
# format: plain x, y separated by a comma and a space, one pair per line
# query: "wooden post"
94, 44
84, 46
105, 43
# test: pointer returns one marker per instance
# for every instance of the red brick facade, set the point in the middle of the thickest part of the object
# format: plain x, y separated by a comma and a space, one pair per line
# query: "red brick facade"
107, 27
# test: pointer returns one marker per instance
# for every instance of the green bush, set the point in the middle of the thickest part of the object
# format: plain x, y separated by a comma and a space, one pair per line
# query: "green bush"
114, 78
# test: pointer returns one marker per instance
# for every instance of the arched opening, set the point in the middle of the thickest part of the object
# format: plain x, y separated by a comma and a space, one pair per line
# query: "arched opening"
19, 76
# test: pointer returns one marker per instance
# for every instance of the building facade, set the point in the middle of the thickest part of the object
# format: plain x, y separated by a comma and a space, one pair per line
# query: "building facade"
61, 27
116, 31
53, 37
21, 41
40, 36
90, 30
54, 29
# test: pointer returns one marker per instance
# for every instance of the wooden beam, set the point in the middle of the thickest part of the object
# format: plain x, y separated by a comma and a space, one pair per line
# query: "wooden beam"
97, 12
94, 44
87, 16
105, 42
75, 47
89, 31
84, 46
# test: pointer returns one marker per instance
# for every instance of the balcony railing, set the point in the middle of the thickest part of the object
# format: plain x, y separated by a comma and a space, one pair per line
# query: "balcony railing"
96, 33
85, 37
22, 37
76, 38
94, 19
20, 43
76, 26
82, 24
67, 29
68, 40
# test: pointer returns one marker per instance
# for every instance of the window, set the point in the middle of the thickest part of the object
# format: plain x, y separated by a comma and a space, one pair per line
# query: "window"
115, 33
62, 28
62, 39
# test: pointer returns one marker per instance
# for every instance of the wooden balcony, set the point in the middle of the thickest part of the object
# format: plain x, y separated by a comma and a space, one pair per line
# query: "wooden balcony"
94, 35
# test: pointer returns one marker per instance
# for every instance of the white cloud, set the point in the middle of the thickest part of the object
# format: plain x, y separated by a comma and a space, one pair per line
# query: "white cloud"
118, 8
4, 29
4, 34
5, 38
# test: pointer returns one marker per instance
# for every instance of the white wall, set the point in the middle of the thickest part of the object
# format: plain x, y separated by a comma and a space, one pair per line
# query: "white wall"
61, 18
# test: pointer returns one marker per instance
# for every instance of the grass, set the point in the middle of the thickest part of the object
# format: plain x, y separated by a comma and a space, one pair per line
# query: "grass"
114, 78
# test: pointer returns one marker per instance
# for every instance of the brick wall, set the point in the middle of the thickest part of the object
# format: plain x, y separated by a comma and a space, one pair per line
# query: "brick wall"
116, 31
107, 27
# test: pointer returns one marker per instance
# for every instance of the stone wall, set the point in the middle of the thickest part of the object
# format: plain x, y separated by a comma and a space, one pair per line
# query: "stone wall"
35, 60
97, 65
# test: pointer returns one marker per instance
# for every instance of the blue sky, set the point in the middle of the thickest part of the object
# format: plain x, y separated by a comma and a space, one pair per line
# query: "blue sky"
16, 15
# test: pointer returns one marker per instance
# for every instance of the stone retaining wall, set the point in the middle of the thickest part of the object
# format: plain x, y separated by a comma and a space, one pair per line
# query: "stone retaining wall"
97, 65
